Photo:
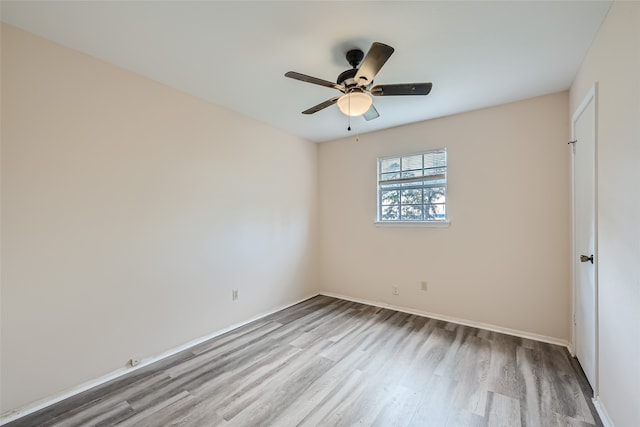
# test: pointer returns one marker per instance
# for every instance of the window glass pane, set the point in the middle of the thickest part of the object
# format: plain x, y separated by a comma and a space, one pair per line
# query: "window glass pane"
388, 176
411, 212
390, 165
435, 159
435, 212
435, 171
412, 162
434, 195
411, 197
390, 213
410, 174
390, 197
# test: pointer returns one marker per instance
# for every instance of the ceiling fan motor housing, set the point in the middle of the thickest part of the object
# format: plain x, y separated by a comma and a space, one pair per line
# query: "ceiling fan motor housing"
354, 57
347, 77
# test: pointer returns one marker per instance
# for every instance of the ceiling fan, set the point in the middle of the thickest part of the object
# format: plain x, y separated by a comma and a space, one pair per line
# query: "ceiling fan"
356, 83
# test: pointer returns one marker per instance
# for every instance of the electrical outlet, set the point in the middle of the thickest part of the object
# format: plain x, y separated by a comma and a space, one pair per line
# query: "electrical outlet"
234, 295
395, 289
423, 285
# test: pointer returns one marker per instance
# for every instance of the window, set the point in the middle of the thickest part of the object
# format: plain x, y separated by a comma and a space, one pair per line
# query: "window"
413, 187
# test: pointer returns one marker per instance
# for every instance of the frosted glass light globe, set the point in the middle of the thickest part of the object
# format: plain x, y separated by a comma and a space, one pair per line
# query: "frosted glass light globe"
354, 103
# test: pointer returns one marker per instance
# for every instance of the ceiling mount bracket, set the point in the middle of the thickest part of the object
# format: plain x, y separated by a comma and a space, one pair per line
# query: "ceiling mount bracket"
354, 57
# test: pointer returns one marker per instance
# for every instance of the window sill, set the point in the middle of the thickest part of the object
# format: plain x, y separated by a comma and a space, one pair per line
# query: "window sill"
430, 224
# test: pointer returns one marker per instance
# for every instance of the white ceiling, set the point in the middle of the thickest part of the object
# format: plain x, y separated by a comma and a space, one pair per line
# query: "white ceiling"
235, 54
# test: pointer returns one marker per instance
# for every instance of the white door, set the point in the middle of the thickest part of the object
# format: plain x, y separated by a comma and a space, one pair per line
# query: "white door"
584, 236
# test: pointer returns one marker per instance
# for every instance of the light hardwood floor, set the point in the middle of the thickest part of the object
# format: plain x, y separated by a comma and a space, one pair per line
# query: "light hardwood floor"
329, 362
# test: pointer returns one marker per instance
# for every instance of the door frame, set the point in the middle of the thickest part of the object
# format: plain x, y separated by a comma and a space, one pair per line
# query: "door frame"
592, 96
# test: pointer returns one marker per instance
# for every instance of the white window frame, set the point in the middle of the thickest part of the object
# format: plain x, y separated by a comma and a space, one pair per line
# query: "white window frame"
439, 222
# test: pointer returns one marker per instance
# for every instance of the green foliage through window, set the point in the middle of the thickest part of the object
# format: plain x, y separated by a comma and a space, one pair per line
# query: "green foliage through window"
413, 187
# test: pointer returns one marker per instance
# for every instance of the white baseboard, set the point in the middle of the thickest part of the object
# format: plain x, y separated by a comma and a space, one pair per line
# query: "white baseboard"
48, 401
602, 412
465, 322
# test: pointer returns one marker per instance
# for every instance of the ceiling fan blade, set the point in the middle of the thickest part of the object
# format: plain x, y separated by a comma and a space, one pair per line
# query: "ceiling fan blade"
372, 63
314, 80
321, 106
371, 113
402, 89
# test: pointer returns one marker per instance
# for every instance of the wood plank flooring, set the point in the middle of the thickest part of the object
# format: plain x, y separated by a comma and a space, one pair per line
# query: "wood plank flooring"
329, 362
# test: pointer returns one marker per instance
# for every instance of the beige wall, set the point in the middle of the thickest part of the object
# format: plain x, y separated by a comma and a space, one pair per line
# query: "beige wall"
614, 62
129, 213
503, 261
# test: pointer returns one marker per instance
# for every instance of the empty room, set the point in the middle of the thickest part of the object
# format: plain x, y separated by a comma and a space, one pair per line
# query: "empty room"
316, 213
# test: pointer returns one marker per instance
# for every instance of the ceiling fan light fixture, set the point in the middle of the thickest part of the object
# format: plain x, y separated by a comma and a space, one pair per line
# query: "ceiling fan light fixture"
354, 103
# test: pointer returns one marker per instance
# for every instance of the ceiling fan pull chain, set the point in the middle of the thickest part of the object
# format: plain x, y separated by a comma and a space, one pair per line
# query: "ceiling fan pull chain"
349, 116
